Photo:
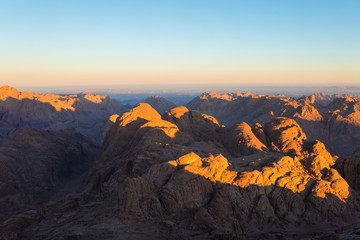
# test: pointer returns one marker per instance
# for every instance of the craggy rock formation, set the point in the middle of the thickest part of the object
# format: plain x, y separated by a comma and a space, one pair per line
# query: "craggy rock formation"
241, 140
285, 135
36, 164
160, 177
337, 124
193, 122
86, 113
160, 104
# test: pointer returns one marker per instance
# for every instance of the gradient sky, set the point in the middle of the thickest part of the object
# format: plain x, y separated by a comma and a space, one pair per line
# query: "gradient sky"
88, 42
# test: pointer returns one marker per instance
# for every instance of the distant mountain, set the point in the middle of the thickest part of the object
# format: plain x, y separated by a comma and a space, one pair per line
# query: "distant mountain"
84, 112
160, 104
325, 99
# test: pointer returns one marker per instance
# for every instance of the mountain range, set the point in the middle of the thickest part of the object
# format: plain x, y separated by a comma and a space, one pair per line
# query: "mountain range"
226, 166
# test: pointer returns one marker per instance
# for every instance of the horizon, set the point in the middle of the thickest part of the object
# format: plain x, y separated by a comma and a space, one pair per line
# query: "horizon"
141, 42
195, 89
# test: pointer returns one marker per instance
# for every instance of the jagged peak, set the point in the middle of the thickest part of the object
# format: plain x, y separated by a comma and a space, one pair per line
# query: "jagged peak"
140, 111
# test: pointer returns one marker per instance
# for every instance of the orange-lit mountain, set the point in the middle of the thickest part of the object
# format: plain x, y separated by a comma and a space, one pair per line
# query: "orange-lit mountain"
336, 124
182, 175
87, 113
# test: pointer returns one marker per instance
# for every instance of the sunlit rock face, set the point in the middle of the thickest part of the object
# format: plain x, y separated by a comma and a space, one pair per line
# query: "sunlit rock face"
86, 113
285, 135
184, 176
241, 140
336, 124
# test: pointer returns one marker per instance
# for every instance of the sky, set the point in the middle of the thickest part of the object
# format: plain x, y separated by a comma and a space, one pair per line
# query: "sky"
155, 42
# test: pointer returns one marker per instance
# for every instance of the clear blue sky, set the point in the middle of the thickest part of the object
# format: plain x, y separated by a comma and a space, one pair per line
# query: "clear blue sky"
87, 42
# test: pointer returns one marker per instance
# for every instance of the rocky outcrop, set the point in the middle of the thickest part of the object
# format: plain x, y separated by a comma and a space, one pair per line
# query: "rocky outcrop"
161, 177
86, 113
160, 104
240, 140
195, 123
285, 136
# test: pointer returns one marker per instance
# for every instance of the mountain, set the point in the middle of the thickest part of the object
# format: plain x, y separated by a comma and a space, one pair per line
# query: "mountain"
183, 175
160, 104
84, 112
337, 124
325, 99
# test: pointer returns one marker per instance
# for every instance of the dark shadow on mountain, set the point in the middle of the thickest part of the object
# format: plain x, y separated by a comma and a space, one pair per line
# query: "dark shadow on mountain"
40, 165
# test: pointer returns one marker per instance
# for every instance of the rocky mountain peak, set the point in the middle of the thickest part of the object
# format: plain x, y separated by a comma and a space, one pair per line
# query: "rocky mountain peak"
160, 104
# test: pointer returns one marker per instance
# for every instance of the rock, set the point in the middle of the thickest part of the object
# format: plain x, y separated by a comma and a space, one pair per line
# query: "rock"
160, 104
168, 227
199, 125
349, 168
285, 135
241, 139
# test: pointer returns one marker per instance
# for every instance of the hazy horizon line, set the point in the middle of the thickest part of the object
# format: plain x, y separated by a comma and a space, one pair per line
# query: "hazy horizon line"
194, 89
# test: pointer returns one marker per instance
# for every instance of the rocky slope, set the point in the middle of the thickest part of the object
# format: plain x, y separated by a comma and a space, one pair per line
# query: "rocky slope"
86, 113
160, 104
36, 164
337, 125
184, 176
